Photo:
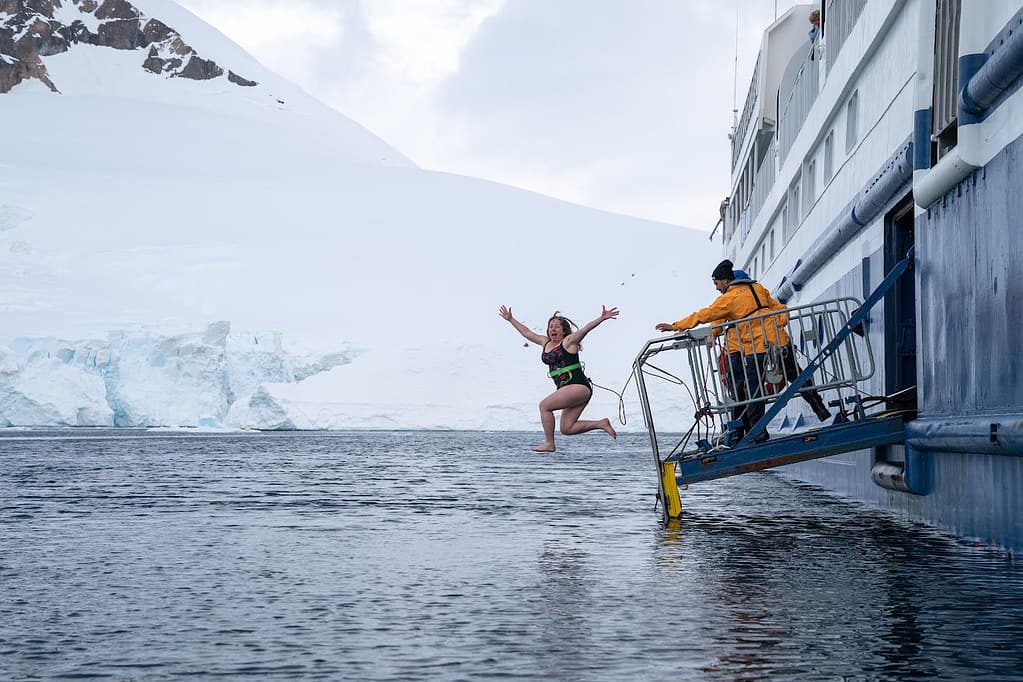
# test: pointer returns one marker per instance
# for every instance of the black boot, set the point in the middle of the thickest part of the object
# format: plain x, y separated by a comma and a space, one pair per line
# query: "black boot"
817, 405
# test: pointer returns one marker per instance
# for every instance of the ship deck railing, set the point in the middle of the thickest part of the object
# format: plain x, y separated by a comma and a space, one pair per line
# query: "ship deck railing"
794, 106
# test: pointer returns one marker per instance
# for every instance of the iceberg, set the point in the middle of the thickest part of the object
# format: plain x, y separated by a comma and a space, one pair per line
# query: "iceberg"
212, 379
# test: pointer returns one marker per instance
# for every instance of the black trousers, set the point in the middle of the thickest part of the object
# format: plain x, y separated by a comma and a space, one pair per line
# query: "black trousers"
792, 371
747, 383
744, 376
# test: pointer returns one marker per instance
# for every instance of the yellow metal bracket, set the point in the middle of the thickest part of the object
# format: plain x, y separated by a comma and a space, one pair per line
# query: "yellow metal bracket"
669, 484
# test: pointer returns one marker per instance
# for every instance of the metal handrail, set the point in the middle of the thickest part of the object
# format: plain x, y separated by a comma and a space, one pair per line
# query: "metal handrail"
839, 20
809, 328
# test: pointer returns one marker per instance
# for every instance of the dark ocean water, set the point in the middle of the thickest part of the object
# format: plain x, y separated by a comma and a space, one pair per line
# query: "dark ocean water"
460, 556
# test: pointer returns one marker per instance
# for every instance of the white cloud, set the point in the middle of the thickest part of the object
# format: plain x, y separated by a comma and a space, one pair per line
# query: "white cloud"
620, 106
422, 41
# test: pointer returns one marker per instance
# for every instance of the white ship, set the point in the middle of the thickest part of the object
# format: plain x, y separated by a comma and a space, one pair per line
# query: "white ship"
877, 192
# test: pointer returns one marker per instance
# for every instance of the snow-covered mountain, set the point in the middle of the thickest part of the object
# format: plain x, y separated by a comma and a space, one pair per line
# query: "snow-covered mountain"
36, 29
188, 239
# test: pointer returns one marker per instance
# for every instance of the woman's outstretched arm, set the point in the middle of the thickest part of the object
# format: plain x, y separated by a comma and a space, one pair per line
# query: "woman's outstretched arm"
572, 341
528, 333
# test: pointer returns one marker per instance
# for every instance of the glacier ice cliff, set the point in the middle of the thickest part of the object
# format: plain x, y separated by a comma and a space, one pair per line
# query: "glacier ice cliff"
213, 379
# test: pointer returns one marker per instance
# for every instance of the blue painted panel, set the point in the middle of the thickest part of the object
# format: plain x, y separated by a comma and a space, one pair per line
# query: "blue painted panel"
922, 139
1000, 284
946, 289
970, 265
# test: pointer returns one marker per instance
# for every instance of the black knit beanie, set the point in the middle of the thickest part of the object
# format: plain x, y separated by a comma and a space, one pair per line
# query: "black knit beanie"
723, 271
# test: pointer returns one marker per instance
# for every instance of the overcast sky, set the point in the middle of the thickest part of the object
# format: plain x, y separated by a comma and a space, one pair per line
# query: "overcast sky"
623, 105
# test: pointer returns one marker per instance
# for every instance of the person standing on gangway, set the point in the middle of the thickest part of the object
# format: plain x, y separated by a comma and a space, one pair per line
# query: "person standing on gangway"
748, 343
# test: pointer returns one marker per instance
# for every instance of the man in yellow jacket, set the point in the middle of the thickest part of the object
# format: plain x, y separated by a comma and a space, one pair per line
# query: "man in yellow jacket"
747, 342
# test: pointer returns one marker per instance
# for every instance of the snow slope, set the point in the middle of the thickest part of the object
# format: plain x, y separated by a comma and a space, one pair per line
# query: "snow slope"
134, 206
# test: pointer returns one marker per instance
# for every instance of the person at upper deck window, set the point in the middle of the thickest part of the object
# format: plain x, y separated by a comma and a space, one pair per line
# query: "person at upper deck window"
814, 32
815, 25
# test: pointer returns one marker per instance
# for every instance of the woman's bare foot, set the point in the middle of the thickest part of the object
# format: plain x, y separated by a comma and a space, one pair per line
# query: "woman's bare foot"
546, 447
605, 424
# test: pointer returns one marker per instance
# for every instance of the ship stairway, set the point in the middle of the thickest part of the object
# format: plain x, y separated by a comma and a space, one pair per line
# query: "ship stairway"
819, 352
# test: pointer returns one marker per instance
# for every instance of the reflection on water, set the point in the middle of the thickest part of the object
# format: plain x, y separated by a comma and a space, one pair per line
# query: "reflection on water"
463, 555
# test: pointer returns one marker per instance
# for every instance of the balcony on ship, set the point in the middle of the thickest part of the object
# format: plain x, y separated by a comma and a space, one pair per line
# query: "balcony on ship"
791, 70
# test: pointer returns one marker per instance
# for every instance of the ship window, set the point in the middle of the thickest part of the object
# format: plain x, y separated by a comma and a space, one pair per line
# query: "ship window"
829, 155
851, 121
793, 206
809, 186
770, 240
763, 255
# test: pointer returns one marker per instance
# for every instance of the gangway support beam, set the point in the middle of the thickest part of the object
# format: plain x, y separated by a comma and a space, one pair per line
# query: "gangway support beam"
824, 442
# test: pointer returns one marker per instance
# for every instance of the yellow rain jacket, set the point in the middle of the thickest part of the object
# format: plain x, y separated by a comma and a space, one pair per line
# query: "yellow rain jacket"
739, 301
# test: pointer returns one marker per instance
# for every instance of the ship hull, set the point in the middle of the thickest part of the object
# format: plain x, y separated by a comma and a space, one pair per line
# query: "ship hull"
950, 334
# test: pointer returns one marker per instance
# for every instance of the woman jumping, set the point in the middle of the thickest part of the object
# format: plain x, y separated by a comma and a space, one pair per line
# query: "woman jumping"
561, 353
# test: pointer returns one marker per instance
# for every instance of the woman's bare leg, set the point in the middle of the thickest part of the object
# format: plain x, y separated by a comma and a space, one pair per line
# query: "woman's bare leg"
547, 421
565, 398
571, 424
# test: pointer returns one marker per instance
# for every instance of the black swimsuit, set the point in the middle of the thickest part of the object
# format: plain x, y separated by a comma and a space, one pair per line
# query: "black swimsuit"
558, 358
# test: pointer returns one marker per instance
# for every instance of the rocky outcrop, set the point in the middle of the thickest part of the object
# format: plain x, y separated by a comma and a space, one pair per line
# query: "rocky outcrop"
33, 29
15, 70
238, 80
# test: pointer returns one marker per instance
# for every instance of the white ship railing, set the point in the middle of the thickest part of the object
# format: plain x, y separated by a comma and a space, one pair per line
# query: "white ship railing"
744, 225
764, 181
798, 101
839, 18
739, 134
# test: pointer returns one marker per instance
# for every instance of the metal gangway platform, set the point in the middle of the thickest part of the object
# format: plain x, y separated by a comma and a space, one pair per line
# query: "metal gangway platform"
818, 351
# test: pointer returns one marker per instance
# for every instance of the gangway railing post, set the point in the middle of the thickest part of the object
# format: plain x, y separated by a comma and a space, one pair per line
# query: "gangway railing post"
667, 486
648, 420
854, 320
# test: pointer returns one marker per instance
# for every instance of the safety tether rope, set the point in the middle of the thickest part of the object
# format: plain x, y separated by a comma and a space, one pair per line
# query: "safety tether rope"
621, 397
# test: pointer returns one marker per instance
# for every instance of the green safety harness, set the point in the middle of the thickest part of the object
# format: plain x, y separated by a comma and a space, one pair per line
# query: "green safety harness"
567, 369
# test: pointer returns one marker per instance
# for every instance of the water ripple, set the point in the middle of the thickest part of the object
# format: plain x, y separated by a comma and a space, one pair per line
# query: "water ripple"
461, 556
